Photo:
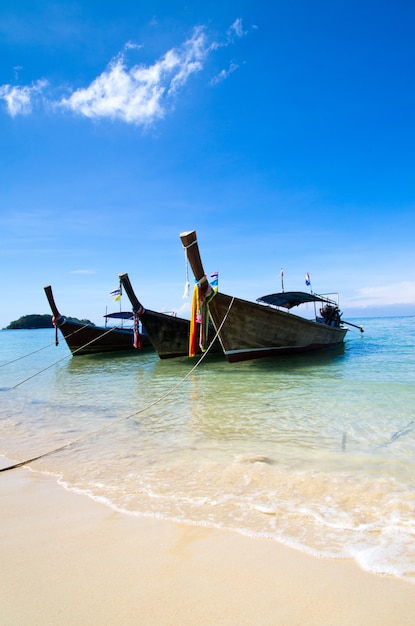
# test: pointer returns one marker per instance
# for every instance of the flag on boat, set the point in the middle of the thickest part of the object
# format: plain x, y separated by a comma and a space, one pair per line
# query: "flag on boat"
214, 279
116, 294
307, 279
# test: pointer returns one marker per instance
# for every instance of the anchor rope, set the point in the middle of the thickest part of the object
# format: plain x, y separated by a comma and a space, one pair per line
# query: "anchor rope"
66, 355
405, 430
40, 349
26, 355
142, 410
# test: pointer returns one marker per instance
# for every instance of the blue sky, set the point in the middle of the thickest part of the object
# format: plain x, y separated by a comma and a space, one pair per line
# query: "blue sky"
283, 132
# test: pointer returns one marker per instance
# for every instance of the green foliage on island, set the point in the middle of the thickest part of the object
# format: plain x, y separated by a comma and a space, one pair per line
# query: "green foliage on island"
39, 321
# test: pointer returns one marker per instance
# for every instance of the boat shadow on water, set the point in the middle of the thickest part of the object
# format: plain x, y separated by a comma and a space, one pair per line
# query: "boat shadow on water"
114, 361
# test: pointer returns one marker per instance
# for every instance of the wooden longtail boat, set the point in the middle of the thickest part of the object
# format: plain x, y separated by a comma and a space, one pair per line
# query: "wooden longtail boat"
250, 330
168, 334
89, 339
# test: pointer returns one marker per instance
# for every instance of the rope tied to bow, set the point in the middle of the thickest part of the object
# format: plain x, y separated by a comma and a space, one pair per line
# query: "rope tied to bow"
57, 322
203, 293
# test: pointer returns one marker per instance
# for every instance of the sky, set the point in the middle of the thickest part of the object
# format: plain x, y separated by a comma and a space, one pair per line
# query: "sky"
282, 132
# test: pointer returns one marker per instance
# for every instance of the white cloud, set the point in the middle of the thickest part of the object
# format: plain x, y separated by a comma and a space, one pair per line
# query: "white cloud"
130, 45
397, 293
140, 94
135, 94
223, 75
19, 100
183, 311
236, 29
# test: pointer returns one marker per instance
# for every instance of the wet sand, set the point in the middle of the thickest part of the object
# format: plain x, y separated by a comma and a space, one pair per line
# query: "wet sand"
69, 560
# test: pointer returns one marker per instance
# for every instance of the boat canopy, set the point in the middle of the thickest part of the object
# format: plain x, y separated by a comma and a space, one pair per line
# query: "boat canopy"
289, 299
127, 315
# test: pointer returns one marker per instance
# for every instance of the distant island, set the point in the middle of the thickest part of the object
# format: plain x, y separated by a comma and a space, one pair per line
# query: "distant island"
39, 321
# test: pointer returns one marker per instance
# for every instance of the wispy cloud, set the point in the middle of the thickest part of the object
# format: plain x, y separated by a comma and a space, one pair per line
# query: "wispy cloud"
397, 293
224, 74
135, 94
19, 100
236, 29
85, 271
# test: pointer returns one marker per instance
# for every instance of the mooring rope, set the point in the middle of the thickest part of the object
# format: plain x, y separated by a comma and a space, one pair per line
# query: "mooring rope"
146, 408
66, 356
403, 431
44, 347
26, 355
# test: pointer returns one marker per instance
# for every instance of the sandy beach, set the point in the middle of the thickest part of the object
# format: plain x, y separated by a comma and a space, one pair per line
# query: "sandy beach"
69, 560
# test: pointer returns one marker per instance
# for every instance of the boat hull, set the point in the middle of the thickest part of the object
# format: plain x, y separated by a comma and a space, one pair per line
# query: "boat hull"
170, 335
88, 339
252, 331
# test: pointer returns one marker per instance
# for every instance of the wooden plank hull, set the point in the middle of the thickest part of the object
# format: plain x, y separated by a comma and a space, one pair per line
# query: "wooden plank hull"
87, 339
170, 335
248, 330
252, 331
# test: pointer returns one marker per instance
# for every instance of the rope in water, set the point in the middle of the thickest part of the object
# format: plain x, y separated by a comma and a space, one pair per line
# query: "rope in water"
400, 433
19, 358
26, 355
146, 408
66, 355
40, 349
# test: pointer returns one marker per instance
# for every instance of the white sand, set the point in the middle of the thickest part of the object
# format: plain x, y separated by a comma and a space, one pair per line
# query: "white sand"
68, 560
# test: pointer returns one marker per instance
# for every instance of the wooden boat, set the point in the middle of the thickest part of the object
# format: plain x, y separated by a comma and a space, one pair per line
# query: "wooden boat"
168, 334
251, 330
89, 339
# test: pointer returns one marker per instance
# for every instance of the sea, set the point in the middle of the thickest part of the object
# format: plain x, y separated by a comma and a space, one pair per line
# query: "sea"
314, 451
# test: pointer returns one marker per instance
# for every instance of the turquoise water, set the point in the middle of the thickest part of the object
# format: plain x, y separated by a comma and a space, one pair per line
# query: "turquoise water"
314, 451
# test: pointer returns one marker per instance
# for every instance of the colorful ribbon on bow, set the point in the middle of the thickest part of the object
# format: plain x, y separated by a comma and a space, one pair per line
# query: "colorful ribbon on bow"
203, 293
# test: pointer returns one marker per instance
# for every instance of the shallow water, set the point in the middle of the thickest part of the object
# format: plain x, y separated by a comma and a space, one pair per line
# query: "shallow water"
315, 451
